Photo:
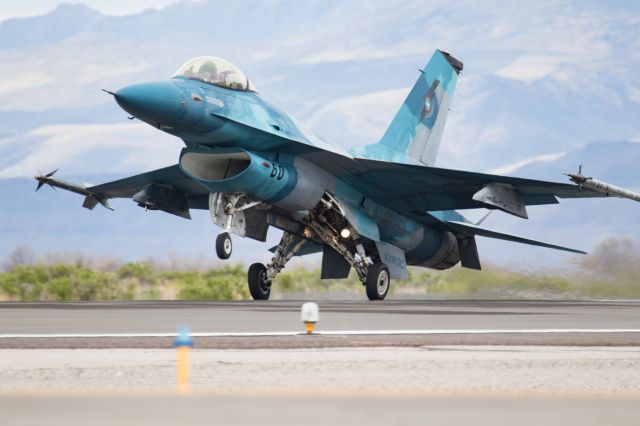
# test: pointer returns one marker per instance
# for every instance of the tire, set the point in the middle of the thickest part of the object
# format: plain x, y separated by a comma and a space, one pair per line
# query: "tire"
224, 246
258, 287
378, 281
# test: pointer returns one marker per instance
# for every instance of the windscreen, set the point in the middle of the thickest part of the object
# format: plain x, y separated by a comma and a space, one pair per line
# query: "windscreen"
215, 71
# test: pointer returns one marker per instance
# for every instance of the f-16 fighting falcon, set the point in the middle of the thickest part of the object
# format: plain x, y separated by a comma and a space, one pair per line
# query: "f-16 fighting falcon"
376, 208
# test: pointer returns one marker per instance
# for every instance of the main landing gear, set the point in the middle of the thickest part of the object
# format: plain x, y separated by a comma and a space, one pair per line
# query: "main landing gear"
259, 286
260, 276
325, 220
377, 281
326, 224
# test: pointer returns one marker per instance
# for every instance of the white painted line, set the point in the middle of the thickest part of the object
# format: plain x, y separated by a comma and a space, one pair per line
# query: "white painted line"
329, 333
495, 331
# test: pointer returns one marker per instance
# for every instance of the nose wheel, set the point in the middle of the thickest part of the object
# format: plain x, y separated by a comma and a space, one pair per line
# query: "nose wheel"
224, 246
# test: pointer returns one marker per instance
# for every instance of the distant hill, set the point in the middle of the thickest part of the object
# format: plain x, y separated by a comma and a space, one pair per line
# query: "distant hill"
545, 87
537, 79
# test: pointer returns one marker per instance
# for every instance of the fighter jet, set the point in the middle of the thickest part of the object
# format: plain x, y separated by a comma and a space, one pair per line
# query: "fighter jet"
376, 208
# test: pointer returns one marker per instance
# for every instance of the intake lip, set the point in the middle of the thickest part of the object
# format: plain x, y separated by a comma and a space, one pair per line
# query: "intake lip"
213, 167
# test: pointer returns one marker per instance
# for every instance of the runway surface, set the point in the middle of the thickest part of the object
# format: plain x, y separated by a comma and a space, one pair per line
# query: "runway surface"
434, 322
393, 362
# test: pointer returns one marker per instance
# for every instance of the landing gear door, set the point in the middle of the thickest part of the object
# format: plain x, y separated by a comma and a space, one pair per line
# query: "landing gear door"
217, 202
334, 265
362, 222
394, 258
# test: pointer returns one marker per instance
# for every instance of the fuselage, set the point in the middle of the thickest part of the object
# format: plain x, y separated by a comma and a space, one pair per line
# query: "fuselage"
235, 141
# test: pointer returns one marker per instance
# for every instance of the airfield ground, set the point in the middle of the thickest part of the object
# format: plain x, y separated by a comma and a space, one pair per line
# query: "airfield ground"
473, 362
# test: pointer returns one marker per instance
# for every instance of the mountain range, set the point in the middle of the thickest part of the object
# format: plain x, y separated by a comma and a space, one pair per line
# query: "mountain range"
546, 87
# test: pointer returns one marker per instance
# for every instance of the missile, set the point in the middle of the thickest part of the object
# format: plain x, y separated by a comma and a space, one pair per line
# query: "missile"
600, 186
91, 198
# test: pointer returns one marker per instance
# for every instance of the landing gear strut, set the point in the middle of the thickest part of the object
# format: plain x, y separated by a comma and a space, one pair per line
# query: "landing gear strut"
260, 276
329, 217
228, 214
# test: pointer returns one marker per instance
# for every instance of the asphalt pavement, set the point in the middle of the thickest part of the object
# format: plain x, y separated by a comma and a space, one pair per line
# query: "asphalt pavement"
555, 363
445, 322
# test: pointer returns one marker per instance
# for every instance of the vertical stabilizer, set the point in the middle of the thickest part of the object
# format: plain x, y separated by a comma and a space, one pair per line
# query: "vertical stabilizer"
414, 135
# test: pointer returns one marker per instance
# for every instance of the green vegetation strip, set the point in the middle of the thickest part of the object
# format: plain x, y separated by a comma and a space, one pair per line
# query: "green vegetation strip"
612, 271
138, 281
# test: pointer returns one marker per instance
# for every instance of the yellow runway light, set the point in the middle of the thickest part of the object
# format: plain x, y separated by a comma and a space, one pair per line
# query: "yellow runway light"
310, 315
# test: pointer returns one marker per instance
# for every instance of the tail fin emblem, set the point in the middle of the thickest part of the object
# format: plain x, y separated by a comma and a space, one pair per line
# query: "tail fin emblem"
427, 104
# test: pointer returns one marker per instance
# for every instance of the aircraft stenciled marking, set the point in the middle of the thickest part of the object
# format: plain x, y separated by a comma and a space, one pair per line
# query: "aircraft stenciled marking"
214, 101
277, 171
396, 261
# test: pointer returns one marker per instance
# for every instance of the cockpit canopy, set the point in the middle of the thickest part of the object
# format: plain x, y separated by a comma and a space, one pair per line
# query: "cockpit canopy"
210, 69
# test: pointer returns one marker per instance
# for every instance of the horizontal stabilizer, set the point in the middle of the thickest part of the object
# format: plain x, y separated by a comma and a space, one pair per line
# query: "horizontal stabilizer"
472, 230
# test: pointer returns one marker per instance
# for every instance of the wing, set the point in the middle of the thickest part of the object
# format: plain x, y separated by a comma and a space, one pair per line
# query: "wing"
168, 189
170, 176
414, 190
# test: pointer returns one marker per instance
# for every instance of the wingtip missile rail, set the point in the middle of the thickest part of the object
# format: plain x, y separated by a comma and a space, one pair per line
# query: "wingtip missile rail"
91, 198
600, 186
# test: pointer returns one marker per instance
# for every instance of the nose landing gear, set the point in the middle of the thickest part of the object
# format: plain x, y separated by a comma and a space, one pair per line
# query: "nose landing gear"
229, 215
224, 246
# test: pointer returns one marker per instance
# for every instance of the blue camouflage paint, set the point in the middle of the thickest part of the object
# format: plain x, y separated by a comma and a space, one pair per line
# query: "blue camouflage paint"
212, 119
415, 125
266, 180
236, 142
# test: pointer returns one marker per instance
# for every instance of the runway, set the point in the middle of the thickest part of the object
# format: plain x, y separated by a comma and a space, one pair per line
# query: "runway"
345, 324
457, 362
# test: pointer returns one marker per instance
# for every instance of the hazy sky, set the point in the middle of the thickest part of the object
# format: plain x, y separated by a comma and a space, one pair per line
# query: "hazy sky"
542, 83
13, 9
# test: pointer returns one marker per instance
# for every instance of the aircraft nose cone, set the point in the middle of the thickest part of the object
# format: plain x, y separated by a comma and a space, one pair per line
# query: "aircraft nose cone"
159, 103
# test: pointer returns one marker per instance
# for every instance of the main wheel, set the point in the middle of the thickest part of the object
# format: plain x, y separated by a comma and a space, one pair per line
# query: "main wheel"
259, 288
224, 246
378, 281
